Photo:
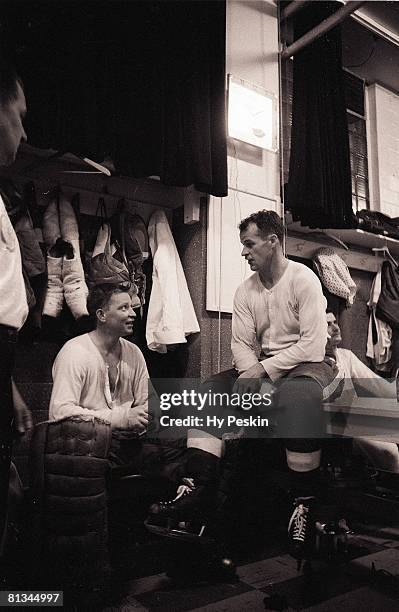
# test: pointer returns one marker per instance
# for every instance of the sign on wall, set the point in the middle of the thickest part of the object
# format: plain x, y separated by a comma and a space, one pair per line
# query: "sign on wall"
252, 114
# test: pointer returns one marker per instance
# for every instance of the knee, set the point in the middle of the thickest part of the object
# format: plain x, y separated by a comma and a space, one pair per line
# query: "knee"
304, 391
299, 409
389, 457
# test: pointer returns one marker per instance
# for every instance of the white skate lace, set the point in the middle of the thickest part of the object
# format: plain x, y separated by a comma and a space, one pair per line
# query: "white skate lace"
298, 522
184, 489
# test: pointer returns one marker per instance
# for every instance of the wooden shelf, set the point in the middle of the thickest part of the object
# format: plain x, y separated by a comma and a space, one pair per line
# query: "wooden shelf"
146, 194
304, 242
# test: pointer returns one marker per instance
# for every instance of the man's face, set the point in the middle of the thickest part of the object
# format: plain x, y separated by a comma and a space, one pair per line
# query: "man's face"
118, 315
12, 132
333, 331
257, 249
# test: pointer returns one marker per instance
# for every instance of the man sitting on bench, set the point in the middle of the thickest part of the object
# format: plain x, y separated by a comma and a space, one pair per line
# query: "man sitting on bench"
101, 374
279, 335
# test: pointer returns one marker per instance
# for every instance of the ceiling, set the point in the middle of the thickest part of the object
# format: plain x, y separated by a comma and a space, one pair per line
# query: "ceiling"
386, 13
369, 56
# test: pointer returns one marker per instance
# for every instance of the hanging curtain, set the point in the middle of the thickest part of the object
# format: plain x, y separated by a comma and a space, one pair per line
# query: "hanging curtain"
319, 186
141, 82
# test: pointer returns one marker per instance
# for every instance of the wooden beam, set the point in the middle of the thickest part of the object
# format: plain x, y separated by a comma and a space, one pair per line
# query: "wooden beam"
376, 418
192, 205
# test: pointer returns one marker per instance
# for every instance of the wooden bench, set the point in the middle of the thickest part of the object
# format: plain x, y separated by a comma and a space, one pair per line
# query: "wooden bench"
374, 417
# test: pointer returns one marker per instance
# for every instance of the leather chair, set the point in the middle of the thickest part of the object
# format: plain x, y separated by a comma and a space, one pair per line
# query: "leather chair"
81, 510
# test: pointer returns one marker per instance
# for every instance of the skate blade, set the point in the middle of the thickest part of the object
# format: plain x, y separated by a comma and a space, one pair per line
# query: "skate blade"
176, 531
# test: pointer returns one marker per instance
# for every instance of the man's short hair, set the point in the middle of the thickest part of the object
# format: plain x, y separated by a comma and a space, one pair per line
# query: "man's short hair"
9, 81
100, 295
267, 222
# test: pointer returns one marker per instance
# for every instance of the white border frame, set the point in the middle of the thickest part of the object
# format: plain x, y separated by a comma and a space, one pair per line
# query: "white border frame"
263, 92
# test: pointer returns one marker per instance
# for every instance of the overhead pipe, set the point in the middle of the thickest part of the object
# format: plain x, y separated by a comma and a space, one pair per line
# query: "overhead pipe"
321, 28
292, 8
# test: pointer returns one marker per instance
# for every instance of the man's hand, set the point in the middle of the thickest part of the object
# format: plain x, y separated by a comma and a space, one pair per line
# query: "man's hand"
22, 415
22, 419
251, 380
138, 418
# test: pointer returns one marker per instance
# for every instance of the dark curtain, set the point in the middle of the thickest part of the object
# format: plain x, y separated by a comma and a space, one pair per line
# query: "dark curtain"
141, 82
319, 188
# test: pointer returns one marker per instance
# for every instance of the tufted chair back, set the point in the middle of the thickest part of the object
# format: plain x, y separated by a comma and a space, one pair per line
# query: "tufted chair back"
68, 469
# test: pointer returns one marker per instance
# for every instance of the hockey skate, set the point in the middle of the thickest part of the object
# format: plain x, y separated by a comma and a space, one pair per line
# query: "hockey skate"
186, 516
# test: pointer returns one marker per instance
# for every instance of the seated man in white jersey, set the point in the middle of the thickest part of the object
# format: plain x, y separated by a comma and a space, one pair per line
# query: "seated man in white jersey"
357, 376
279, 334
102, 374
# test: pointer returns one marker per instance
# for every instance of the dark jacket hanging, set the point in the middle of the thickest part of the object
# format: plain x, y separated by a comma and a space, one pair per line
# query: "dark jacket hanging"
388, 308
319, 188
388, 303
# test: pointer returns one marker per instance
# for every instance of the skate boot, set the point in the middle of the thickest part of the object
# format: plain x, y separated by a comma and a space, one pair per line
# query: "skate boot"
186, 516
301, 530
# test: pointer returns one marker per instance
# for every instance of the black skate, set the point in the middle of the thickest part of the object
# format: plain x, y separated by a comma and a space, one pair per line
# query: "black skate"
185, 517
301, 529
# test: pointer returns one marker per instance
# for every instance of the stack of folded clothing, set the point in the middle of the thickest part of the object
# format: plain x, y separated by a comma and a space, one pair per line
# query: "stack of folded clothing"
378, 223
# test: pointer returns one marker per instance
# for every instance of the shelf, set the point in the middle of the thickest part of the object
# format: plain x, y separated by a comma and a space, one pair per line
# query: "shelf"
356, 237
304, 242
146, 194
36, 165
